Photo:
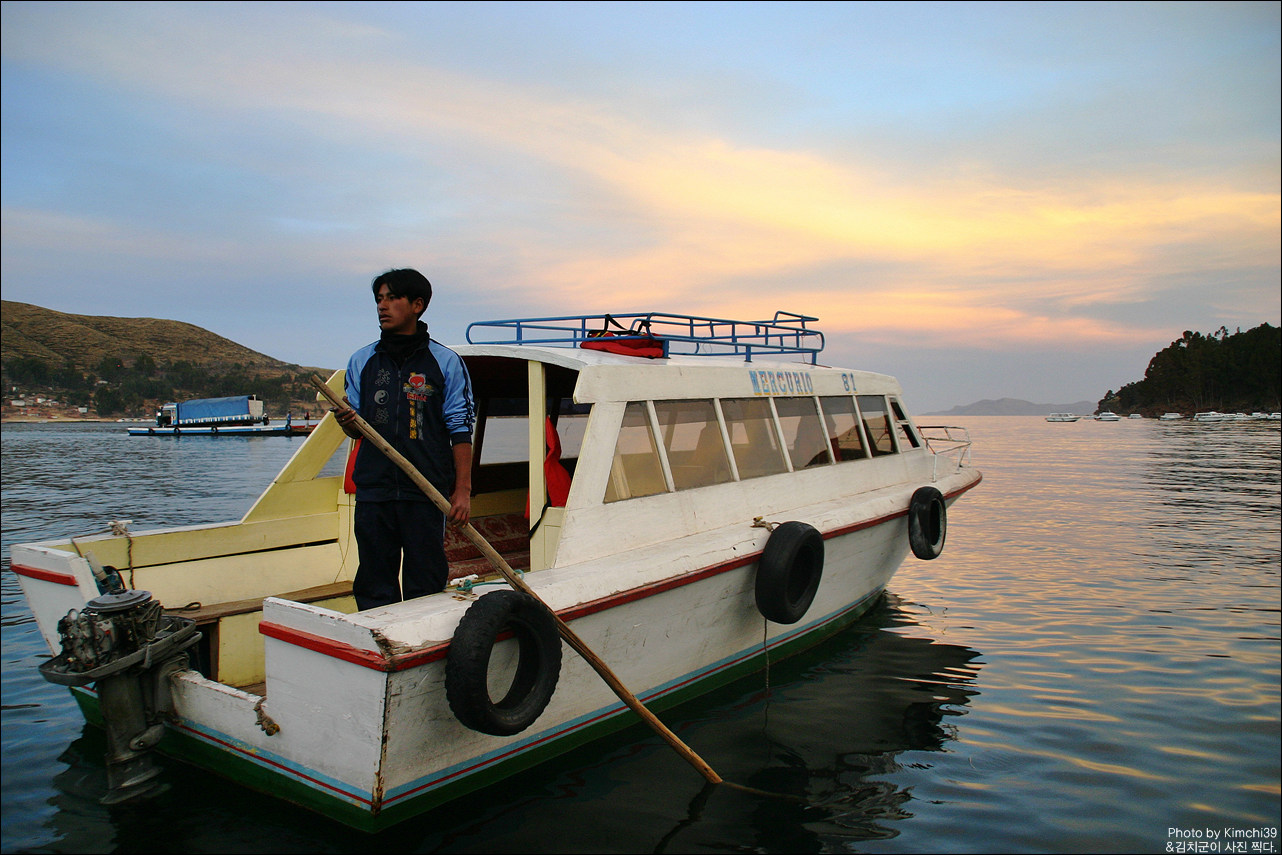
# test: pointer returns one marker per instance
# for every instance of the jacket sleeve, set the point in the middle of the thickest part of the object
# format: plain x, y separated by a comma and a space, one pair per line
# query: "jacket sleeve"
459, 406
352, 377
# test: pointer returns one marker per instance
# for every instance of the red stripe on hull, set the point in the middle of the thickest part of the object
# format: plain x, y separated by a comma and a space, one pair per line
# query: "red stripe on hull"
45, 575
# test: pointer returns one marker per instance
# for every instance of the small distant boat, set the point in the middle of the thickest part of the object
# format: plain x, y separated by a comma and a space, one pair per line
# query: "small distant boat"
1213, 416
1106, 416
1062, 417
1135, 416
1170, 417
239, 415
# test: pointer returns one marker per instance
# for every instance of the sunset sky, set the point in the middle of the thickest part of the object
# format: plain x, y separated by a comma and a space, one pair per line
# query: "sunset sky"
985, 200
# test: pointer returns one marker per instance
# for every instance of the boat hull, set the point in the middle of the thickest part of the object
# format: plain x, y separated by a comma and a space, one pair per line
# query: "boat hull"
250, 765
354, 722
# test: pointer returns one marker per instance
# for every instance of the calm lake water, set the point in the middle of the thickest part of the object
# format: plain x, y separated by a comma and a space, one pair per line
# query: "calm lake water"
1091, 666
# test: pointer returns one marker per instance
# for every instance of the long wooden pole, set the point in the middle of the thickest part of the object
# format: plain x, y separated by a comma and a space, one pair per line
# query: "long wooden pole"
571, 638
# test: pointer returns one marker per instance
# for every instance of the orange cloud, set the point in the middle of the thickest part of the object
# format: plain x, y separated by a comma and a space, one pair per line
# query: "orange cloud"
981, 258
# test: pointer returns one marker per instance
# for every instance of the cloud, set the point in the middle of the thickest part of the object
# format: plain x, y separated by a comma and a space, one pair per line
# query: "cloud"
1090, 185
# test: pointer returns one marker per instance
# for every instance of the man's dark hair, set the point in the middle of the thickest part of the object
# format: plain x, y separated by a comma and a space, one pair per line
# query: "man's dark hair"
406, 282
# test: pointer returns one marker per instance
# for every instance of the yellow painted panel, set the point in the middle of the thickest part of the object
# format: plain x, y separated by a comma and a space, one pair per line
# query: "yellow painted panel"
196, 542
241, 650
277, 500
242, 577
289, 499
241, 660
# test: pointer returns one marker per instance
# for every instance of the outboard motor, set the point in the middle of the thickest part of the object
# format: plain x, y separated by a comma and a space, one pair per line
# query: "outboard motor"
125, 643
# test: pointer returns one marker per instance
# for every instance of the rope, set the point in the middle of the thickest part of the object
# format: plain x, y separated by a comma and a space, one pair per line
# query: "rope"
467, 583
119, 528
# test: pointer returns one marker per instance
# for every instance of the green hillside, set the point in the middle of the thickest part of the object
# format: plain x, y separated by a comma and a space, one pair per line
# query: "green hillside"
129, 366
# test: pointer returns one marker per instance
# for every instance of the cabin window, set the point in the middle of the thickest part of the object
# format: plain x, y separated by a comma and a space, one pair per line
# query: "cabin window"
877, 424
753, 438
636, 470
908, 437
843, 428
506, 424
693, 441
803, 433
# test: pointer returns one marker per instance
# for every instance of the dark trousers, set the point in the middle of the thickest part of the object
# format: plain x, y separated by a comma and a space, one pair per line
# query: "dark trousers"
386, 531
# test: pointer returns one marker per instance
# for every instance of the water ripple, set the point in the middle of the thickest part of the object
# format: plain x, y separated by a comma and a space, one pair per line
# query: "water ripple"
1093, 660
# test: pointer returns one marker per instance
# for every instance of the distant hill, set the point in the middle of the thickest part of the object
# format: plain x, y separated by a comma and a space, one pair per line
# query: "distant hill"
1016, 407
82, 341
1227, 371
130, 366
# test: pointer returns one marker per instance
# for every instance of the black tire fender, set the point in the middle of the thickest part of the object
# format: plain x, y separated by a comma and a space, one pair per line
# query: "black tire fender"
538, 664
789, 571
927, 523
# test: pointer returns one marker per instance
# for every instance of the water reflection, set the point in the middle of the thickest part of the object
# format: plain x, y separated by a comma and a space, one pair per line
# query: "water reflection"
1202, 483
821, 739
836, 725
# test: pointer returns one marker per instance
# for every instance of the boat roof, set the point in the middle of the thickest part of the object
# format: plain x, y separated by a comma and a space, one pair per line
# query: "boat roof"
705, 357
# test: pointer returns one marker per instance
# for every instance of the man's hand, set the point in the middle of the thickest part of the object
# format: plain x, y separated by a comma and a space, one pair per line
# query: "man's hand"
461, 498
460, 506
346, 418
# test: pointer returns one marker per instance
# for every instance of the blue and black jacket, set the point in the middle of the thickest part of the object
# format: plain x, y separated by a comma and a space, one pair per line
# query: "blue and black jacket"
422, 405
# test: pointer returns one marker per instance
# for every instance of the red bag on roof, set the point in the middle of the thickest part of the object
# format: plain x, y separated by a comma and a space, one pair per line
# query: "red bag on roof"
629, 342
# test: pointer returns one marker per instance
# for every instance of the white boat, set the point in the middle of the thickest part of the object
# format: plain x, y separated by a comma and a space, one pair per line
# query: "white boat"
722, 508
1170, 417
1215, 416
1135, 416
1062, 417
1106, 416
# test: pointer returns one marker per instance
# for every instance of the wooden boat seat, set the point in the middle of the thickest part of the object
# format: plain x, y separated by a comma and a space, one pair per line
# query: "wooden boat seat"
207, 614
230, 649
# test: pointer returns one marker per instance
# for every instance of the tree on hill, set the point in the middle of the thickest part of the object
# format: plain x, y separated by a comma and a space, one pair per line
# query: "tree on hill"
134, 386
1240, 371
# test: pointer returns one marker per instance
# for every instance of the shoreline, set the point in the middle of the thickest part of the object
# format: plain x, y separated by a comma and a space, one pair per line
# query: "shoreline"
46, 420
58, 419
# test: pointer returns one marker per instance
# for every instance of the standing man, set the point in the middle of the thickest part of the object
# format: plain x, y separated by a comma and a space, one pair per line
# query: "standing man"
417, 394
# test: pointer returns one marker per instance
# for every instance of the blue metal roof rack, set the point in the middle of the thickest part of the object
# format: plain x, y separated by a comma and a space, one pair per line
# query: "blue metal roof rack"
678, 334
